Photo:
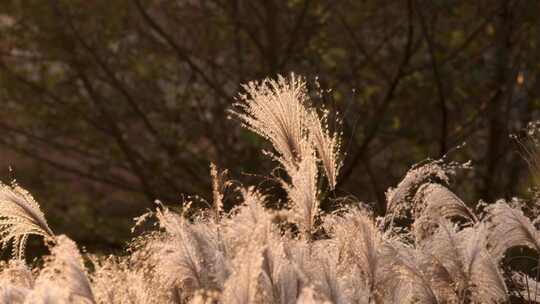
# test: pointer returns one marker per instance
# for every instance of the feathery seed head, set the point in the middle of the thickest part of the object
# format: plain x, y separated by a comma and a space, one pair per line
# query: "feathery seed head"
20, 216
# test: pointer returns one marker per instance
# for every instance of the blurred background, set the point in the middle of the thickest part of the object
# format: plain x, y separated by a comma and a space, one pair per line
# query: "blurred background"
109, 105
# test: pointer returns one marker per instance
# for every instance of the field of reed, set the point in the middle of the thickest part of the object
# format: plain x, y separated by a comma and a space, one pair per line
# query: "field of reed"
429, 247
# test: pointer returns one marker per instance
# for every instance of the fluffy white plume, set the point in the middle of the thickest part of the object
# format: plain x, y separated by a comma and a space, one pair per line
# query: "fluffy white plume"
399, 199
188, 255
328, 146
65, 271
243, 286
20, 216
433, 202
472, 269
276, 111
303, 192
510, 228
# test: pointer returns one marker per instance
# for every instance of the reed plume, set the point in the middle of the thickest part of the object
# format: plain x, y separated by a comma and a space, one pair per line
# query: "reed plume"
20, 217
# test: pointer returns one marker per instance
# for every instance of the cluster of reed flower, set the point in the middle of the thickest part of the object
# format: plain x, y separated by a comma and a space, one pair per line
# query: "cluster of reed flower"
430, 247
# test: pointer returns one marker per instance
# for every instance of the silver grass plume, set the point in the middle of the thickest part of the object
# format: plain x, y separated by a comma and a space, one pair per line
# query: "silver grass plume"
243, 285
65, 270
434, 201
251, 225
109, 282
246, 219
359, 241
411, 279
187, 254
510, 228
487, 282
438, 199
260, 271
276, 111
303, 191
328, 145
400, 200
280, 280
464, 255
280, 112
20, 216
325, 275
